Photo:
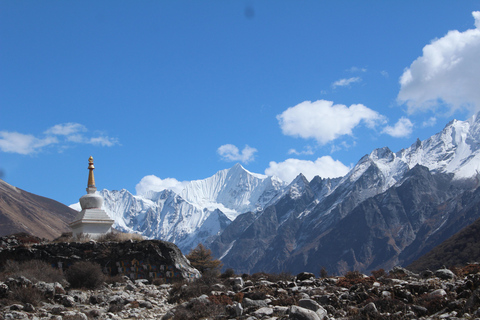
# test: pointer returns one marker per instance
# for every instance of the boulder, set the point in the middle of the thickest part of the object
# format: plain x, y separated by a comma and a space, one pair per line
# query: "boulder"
444, 274
263, 312
299, 313
305, 276
314, 306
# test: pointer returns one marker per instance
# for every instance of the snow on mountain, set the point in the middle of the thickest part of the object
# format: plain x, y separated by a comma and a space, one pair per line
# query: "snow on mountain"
233, 191
456, 149
203, 209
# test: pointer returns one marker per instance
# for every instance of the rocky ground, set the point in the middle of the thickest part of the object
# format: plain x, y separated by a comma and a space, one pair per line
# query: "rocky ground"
398, 294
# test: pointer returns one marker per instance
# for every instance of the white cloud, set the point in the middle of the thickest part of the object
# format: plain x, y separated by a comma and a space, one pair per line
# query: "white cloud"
324, 167
448, 73
229, 152
402, 128
66, 129
103, 141
14, 142
430, 122
346, 82
154, 183
307, 151
324, 121
60, 134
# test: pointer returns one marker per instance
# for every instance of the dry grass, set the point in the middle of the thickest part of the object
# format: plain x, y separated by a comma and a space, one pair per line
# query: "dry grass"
120, 237
34, 270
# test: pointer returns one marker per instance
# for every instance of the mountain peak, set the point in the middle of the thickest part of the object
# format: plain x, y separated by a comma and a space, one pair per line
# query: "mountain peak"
239, 169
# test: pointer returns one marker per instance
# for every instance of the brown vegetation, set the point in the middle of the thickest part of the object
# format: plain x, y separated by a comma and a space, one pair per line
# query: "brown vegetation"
85, 274
201, 258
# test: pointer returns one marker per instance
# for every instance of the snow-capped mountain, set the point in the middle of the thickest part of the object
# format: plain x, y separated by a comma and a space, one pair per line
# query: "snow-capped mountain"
380, 214
386, 210
233, 191
455, 150
202, 210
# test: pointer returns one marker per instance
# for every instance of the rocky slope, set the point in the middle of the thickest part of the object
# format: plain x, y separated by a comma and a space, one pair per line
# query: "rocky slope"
21, 211
398, 294
460, 249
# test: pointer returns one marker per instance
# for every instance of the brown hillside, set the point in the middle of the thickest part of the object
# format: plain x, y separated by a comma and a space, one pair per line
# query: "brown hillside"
458, 250
21, 211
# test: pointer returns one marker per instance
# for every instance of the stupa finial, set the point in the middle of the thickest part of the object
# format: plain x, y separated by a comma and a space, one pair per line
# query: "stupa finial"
91, 179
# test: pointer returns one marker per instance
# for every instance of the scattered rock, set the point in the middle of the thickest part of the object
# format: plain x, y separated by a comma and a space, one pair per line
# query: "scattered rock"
444, 274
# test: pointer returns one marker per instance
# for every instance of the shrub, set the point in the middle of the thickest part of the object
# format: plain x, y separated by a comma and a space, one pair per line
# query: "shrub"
120, 237
238, 297
198, 309
228, 273
353, 277
115, 279
432, 303
378, 273
85, 274
201, 259
272, 277
25, 295
323, 273
34, 270
220, 299
471, 268
184, 291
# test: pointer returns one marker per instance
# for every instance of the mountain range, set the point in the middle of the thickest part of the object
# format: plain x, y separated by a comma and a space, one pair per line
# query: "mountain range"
391, 208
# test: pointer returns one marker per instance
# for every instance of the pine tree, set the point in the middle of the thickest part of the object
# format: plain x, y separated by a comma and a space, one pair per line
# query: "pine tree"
201, 259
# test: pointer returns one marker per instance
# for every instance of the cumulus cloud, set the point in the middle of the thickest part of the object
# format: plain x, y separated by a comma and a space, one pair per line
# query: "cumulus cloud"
60, 134
324, 121
402, 128
324, 167
345, 82
154, 183
448, 73
229, 152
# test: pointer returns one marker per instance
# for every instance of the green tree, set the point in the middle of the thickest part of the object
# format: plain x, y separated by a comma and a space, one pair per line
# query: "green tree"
201, 259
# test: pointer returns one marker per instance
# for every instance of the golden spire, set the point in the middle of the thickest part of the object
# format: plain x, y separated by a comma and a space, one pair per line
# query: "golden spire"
91, 178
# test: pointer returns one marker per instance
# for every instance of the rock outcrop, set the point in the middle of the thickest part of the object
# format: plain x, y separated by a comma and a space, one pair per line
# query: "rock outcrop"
148, 259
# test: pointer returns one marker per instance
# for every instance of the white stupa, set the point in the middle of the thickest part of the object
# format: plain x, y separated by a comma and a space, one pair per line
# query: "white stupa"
92, 220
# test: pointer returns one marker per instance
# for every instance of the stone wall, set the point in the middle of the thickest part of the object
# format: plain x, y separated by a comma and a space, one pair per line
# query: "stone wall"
148, 259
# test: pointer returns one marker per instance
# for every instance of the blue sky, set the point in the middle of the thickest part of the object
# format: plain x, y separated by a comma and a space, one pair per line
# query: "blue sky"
162, 92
